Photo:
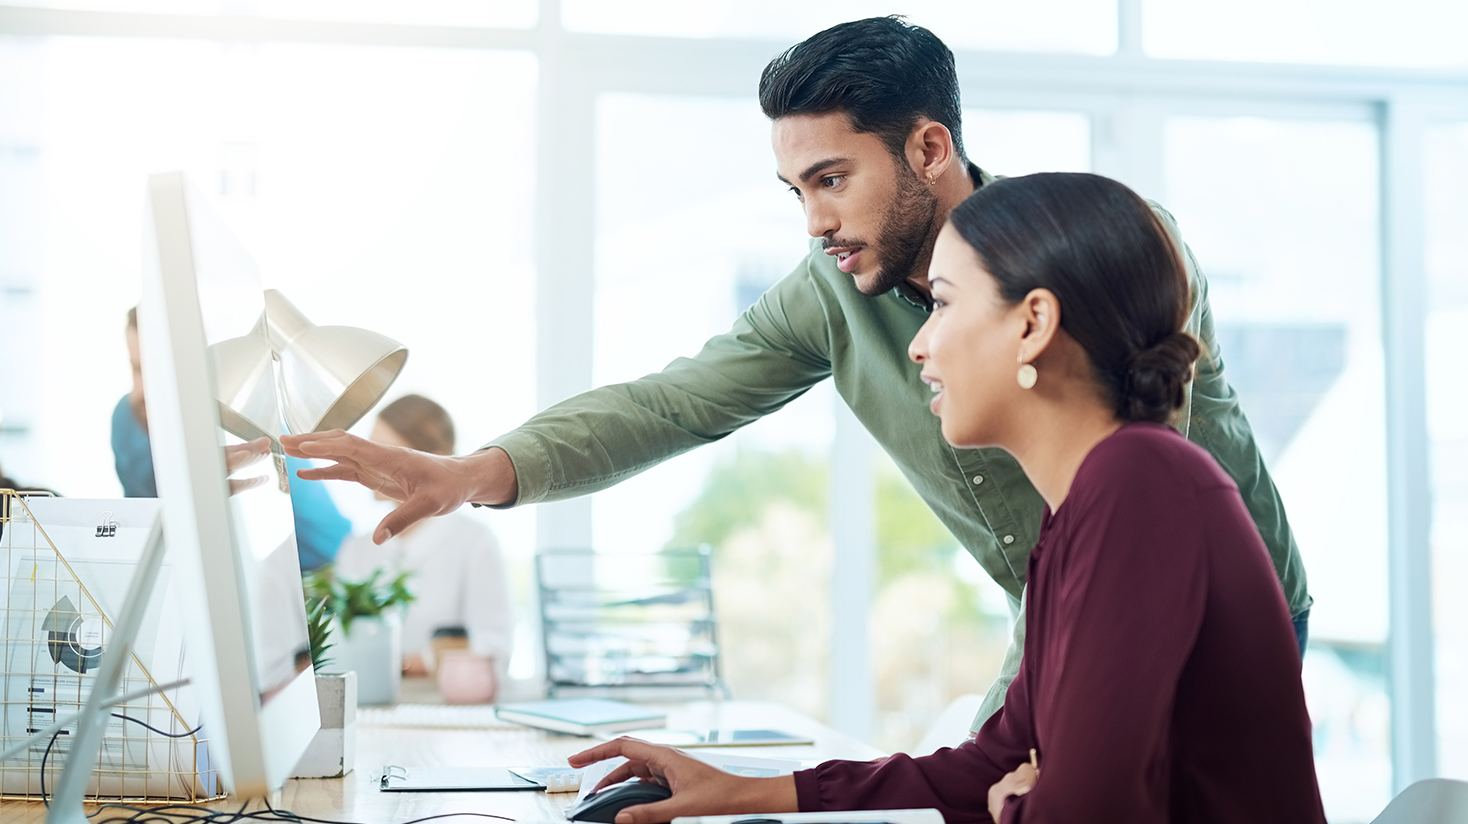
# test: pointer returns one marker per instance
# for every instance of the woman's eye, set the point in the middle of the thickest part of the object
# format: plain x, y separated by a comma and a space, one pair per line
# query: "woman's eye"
938, 304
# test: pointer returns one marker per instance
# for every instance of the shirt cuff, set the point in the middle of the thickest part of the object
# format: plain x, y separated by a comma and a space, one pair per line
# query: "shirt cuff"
532, 467
807, 791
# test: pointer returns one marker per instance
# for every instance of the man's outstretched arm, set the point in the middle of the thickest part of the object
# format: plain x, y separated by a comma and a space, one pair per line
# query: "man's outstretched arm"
773, 354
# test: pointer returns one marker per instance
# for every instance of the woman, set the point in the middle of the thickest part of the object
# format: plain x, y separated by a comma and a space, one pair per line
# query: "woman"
1160, 679
459, 575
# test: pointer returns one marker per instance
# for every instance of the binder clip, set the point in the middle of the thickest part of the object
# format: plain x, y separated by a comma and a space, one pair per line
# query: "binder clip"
108, 527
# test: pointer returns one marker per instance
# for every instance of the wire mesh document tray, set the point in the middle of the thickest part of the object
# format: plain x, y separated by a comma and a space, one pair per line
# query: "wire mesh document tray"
67, 566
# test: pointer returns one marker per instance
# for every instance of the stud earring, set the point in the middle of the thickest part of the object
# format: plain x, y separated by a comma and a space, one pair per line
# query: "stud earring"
1028, 375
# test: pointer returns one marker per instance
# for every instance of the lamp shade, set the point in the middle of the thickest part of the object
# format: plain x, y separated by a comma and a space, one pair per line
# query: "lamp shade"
243, 376
330, 376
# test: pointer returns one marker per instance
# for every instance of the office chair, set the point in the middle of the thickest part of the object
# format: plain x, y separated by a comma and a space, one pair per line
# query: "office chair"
1430, 801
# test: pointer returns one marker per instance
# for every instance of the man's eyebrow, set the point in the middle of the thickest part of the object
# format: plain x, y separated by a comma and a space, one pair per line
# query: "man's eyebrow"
815, 169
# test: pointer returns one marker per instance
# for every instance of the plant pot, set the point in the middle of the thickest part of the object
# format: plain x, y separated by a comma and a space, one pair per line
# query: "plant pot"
333, 752
374, 650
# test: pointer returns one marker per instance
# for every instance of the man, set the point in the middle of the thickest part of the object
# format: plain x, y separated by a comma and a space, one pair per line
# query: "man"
320, 526
866, 133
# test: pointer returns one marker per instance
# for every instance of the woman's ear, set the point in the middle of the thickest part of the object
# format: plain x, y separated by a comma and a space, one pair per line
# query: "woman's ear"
1040, 310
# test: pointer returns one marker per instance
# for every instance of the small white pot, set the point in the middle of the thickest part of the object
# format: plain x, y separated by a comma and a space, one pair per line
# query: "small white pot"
374, 650
333, 752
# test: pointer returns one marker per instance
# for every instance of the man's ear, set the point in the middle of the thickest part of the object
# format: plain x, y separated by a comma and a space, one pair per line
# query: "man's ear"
930, 149
1041, 312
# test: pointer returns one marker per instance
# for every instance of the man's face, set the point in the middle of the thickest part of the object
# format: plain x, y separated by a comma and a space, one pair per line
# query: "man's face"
869, 208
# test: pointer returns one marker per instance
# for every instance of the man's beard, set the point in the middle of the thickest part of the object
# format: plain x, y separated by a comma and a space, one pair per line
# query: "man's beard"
907, 230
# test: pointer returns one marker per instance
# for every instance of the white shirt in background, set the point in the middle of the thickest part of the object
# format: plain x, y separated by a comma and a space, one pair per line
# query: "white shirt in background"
458, 579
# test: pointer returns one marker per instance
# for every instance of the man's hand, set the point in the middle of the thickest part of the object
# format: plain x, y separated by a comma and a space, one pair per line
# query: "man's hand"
427, 485
1018, 782
698, 788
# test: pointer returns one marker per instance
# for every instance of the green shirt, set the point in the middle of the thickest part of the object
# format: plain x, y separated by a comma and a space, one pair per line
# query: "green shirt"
814, 325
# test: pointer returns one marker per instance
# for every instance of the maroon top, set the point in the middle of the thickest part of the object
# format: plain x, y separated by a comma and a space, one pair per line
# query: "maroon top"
1161, 675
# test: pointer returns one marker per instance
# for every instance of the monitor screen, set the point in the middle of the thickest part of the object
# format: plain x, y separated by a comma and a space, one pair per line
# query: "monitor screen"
214, 423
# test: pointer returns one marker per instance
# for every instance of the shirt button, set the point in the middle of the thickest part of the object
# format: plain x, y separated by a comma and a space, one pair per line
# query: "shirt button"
1008, 539
978, 479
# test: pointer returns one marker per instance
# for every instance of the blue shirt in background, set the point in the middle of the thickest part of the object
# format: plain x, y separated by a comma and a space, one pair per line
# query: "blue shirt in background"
320, 526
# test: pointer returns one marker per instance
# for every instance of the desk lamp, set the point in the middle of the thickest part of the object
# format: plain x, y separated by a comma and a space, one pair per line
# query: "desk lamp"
327, 377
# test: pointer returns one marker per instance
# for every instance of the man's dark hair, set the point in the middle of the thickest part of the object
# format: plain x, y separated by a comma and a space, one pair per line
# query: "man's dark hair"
883, 72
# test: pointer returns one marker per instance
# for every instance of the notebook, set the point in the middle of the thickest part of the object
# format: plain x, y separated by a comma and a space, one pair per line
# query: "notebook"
582, 716
448, 779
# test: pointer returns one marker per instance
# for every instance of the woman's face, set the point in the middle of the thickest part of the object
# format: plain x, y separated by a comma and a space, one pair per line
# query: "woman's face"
969, 347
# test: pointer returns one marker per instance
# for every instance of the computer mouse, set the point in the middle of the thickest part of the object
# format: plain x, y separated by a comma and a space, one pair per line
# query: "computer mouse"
603, 805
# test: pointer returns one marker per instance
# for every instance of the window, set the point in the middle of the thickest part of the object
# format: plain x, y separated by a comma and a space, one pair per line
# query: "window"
501, 13
692, 227
372, 185
1425, 33
1289, 246
1446, 167
1085, 26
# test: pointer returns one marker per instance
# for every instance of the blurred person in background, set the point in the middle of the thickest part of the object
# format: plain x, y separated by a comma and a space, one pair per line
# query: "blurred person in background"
458, 572
320, 526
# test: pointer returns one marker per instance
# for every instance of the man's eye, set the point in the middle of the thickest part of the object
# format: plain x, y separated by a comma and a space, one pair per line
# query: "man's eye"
796, 192
832, 181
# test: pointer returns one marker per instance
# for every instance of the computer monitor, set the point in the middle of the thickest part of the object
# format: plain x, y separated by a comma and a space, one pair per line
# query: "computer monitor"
226, 509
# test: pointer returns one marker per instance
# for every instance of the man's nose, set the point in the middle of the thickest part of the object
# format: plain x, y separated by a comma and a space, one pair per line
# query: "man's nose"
819, 221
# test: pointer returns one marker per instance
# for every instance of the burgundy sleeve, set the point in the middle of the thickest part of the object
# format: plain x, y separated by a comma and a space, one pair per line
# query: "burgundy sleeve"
1125, 607
955, 781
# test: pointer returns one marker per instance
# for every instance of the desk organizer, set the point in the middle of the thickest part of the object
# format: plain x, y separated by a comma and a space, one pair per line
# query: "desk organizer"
60, 585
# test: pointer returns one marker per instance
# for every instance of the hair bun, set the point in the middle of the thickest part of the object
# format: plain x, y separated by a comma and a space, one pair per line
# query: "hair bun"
1152, 387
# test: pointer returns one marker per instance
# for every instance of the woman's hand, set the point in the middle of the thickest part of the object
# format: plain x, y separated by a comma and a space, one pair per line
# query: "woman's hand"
698, 788
1018, 782
427, 485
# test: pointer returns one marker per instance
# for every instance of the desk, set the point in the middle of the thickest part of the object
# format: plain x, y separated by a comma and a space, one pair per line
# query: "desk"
356, 797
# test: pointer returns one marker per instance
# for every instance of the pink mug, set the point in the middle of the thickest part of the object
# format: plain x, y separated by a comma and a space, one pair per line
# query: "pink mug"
466, 678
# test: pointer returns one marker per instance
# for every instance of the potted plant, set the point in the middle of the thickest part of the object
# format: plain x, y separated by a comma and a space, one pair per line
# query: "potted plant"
333, 751
367, 627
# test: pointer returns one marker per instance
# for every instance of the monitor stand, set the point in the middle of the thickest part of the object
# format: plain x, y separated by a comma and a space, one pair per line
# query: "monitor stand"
91, 724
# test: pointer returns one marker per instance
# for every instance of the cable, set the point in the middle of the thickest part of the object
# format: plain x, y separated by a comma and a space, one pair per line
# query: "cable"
188, 814
47, 753
44, 756
155, 729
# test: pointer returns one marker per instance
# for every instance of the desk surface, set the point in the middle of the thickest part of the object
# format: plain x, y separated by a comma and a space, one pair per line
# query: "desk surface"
356, 798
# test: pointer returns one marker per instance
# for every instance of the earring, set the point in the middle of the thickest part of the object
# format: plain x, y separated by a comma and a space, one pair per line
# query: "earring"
1028, 375
931, 179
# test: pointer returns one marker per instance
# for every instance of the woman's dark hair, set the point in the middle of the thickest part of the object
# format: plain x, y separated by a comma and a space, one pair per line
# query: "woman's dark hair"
883, 72
424, 424
1105, 255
